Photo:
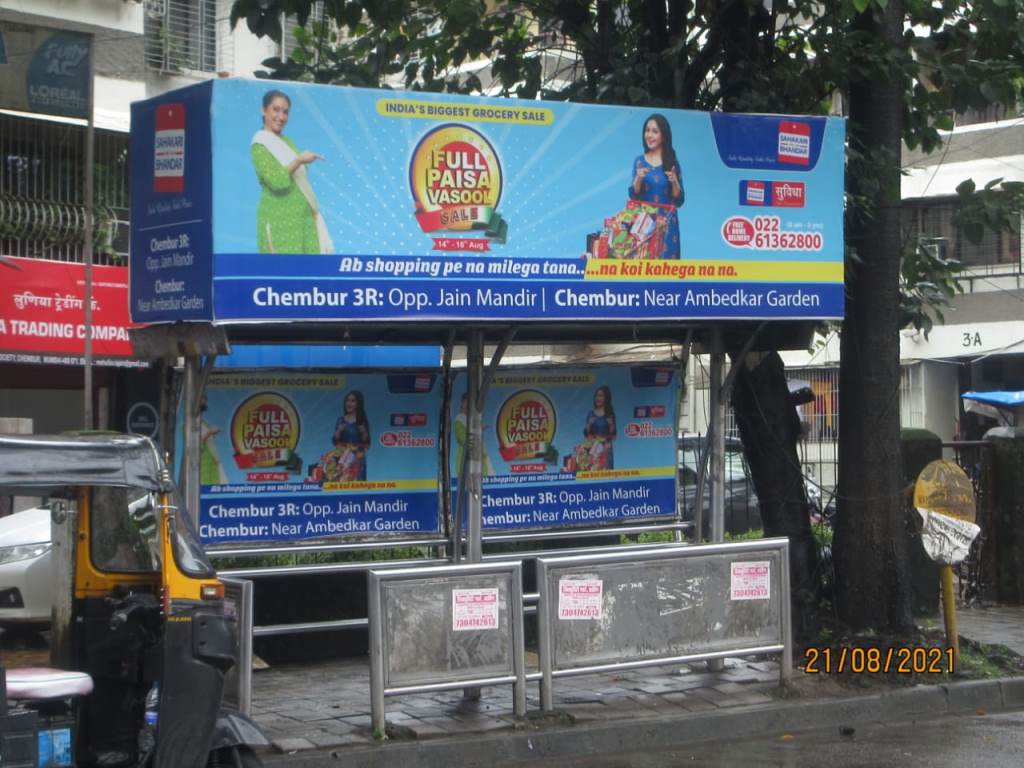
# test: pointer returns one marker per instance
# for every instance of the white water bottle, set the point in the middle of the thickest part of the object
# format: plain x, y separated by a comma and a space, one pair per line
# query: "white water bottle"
153, 704
147, 737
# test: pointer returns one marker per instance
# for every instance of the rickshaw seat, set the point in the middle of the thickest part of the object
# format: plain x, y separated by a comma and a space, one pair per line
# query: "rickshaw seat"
41, 683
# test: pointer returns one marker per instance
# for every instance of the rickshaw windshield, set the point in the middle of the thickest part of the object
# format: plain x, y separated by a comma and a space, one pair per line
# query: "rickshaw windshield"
125, 534
125, 531
187, 549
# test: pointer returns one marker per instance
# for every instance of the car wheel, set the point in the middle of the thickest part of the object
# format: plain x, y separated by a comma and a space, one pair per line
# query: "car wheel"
234, 757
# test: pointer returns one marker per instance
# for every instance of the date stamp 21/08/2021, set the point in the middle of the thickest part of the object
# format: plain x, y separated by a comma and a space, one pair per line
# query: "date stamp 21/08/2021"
901, 660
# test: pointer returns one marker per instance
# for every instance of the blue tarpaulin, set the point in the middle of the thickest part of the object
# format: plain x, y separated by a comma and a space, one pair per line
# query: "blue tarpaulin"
997, 398
1004, 407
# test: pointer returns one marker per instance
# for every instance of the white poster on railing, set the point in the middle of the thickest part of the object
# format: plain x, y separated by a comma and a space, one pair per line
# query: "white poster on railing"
474, 609
750, 581
580, 599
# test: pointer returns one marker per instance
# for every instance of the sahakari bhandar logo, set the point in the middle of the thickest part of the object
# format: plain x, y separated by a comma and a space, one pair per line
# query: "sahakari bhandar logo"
456, 179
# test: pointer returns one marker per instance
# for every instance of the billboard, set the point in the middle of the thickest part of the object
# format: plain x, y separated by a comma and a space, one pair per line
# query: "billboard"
44, 70
299, 456
42, 313
291, 201
574, 446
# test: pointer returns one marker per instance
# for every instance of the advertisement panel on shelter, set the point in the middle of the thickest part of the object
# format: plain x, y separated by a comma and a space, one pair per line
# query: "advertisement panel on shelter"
44, 70
337, 203
294, 456
42, 313
171, 235
574, 446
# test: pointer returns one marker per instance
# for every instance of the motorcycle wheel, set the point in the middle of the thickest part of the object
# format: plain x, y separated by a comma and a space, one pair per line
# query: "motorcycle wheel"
234, 757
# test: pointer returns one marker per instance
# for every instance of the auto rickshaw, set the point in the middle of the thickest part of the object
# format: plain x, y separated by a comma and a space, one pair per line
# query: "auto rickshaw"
144, 627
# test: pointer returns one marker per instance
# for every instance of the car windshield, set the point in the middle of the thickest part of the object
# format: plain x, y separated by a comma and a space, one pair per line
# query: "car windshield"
735, 464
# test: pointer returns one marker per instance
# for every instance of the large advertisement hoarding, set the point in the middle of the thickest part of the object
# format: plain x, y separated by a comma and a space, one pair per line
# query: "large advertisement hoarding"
293, 456
42, 313
334, 203
574, 446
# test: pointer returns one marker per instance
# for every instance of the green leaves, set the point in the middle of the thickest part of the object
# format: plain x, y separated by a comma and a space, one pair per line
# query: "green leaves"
928, 282
994, 208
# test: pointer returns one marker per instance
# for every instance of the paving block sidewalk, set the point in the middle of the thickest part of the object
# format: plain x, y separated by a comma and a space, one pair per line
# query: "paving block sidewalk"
328, 704
324, 708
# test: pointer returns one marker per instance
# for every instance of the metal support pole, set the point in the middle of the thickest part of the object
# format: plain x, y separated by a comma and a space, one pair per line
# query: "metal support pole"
684, 364
189, 480
545, 638
786, 662
445, 449
949, 613
64, 536
378, 720
88, 419
474, 462
474, 447
716, 450
716, 439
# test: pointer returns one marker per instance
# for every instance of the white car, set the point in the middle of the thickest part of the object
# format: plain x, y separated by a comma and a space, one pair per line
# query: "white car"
26, 576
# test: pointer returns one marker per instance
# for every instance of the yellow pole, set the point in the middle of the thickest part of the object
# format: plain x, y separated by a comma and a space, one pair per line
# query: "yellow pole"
949, 613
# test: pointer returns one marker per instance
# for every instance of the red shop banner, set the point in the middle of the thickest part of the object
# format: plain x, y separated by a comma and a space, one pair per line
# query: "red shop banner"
42, 312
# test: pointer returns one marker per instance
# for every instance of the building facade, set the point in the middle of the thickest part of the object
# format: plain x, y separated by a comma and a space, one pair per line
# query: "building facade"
140, 49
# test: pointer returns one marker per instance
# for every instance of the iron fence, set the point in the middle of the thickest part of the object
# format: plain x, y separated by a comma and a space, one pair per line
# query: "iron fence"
42, 195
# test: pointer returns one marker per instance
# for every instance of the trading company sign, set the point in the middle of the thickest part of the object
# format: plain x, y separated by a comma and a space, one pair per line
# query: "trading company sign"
287, 457
429, 206
42, 313
44, 70
574, 446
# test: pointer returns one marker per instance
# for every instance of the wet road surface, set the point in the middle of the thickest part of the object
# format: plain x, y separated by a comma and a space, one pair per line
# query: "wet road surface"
989, 741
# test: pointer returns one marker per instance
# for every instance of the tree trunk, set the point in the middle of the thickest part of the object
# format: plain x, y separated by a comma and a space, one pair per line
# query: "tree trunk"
770, 428
871, 558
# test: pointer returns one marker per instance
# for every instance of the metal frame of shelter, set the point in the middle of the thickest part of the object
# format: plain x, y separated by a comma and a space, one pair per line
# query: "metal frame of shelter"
198, 344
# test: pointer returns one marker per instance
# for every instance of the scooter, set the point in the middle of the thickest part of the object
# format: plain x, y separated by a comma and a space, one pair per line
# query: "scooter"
141, 627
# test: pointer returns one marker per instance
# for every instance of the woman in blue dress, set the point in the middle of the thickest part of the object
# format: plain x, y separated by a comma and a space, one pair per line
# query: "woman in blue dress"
601, 423
353, 428
657, 178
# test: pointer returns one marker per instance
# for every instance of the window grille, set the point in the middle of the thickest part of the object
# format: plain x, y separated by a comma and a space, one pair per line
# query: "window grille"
225, 40
290, 23
931, 222
911, 397
181, 35
821, 415
42, 212
991, 113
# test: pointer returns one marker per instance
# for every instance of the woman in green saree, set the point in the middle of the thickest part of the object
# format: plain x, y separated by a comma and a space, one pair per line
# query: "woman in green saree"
288, 219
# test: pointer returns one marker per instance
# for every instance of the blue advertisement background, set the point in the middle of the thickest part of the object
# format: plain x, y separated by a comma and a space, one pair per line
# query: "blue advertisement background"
559, 184
642, 483
760, 230
169, 281
399, 494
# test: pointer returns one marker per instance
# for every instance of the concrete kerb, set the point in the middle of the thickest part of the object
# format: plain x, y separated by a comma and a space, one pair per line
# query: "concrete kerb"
611, 736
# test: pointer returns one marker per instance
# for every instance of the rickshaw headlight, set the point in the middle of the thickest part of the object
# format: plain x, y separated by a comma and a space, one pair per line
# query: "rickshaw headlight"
212, 591
23, 552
